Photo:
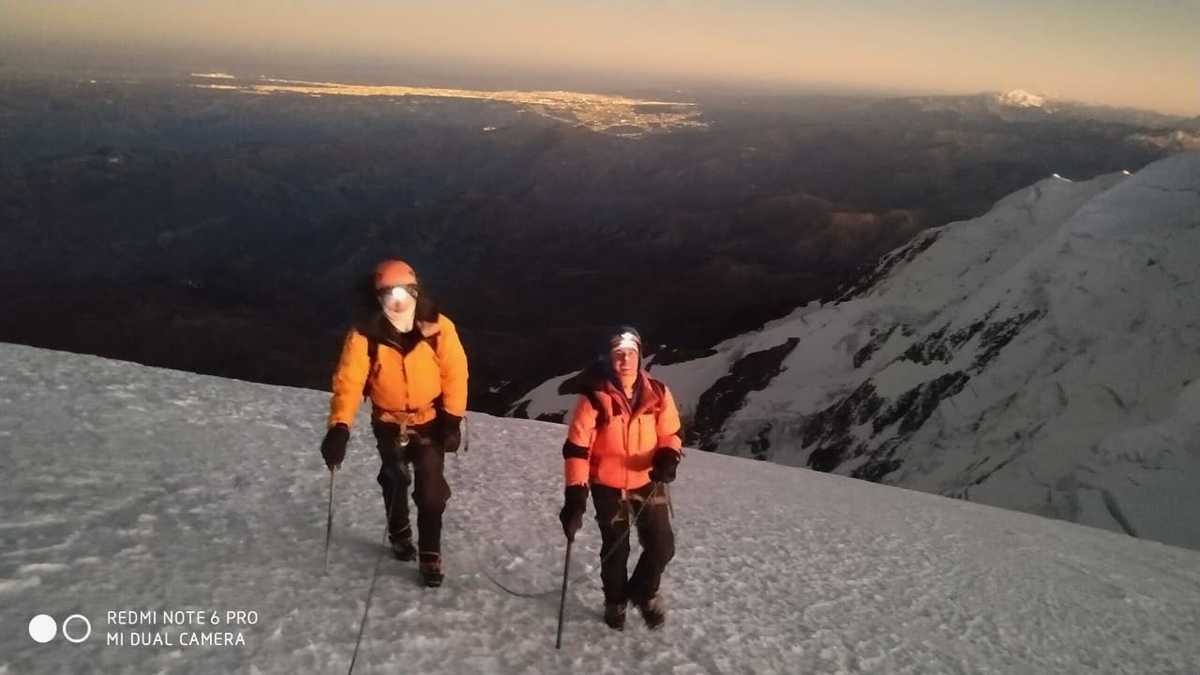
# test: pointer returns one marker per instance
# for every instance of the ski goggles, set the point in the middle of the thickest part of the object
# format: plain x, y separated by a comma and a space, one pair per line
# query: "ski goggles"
398, 293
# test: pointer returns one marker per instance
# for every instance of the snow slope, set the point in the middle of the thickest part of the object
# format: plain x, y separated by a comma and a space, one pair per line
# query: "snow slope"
133, 488
1043, 357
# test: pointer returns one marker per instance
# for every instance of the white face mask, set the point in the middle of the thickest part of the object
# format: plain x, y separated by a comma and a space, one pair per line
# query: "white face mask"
400, 307
402, 320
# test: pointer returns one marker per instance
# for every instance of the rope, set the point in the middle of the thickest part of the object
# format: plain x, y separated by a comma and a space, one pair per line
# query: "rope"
362, 626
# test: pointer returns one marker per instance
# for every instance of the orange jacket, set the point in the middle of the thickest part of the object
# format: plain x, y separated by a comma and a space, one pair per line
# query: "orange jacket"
403, 386
614, 445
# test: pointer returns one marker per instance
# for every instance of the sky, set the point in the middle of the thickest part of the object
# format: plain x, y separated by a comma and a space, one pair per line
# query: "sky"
1140, 54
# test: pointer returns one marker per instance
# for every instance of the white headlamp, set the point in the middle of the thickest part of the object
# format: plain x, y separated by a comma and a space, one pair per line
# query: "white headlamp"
626, 341
396, 294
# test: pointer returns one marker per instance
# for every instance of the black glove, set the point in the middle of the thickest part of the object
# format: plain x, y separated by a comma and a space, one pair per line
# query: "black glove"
665, 461
333, 448
450, 430
575, 503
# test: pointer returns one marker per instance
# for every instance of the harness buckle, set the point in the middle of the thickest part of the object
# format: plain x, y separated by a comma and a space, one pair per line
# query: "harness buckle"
405, 433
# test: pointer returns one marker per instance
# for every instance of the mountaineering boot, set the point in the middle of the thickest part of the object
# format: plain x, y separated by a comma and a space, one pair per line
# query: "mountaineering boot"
403, 549
614, 615
654, 612
431, 569
402, 545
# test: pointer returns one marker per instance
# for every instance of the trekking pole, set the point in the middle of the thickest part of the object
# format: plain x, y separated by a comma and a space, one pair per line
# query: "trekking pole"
329, 520
562, 603
670, 504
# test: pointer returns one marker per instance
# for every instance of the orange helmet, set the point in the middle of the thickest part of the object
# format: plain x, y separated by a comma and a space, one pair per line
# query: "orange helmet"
395, 284
394, 273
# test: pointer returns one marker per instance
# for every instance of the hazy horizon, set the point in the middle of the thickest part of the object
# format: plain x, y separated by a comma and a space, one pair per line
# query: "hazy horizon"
1101, 52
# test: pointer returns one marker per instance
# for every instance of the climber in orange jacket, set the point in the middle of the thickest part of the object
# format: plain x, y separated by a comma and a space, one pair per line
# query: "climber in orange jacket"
407, 358
624, 442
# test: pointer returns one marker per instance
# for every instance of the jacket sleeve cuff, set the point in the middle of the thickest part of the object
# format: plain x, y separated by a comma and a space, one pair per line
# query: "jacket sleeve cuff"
577, 471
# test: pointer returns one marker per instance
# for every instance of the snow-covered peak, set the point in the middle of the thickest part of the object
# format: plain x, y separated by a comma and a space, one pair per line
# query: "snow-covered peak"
140, 490
1034, 358
1019, 98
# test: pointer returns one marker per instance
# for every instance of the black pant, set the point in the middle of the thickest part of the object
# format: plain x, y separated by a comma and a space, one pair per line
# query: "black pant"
424, 453
654, 534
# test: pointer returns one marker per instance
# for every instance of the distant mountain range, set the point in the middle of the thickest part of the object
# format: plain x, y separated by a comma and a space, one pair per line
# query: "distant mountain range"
221, 231
1018, 105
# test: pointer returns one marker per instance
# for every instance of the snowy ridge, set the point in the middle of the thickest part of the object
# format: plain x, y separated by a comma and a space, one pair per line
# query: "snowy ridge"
1023, 359
1020, 98
134, 488
1177, 140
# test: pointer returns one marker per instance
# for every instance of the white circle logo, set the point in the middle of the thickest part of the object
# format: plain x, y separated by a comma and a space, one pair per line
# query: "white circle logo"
42, 628
70, 638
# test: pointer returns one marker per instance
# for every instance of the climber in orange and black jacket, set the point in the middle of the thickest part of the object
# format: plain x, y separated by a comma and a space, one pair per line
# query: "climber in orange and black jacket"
624, 442
407, 357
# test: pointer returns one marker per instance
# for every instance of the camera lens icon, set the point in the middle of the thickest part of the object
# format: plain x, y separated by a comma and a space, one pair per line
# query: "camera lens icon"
43, 628
81, 634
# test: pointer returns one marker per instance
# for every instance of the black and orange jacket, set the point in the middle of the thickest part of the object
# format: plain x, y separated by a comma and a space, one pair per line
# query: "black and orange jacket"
611, 443
411, 372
